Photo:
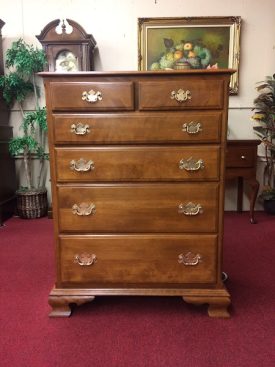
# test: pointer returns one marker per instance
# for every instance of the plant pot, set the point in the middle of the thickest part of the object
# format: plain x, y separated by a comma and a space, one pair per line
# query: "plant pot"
269, 206
32, 204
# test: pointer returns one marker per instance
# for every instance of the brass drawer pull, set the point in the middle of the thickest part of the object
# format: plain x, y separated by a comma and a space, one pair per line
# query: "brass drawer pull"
80, 129
91, 96
192, 127
190, 209
84, 209
82, 165
181, 95
85, 259
191, 164
189, 259
243, 157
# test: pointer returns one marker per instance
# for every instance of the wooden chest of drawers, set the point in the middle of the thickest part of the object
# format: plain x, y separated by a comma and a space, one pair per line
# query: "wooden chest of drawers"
137, 169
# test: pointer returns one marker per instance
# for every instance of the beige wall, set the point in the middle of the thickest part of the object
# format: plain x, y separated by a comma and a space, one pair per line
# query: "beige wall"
114, 26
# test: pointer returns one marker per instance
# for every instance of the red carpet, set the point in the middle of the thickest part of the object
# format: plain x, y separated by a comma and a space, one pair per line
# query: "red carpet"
137, 331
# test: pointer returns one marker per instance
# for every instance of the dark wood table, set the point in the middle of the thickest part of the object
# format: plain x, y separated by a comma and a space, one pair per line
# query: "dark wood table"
241, 164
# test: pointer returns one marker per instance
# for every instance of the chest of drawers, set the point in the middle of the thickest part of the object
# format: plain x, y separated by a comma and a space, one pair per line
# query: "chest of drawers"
137, 170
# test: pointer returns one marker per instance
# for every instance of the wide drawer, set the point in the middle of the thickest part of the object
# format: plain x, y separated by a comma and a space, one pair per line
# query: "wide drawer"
138, 259
188, 93
136, 128
167, 207
137, 163
89, 96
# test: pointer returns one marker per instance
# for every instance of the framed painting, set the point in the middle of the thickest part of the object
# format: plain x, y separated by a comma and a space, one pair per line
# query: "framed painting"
190, 43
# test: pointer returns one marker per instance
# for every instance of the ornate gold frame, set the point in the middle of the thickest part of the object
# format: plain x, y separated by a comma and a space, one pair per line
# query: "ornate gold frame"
232, 22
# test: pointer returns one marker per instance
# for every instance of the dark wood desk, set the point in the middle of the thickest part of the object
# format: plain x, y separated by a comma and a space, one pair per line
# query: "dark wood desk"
241, 164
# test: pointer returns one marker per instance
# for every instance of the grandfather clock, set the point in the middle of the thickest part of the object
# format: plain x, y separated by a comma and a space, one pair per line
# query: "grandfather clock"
68, 47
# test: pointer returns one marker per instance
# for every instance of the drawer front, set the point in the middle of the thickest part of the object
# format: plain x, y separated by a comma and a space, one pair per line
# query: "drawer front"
80, 96
138, 128
240, 156
137, 163
182, 94
138, 208
138, 259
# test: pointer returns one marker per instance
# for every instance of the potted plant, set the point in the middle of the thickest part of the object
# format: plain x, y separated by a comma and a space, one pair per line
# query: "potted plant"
264, 115
23, 61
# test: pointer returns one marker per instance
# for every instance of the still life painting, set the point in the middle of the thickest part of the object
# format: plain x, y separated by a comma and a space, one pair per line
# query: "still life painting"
190, 43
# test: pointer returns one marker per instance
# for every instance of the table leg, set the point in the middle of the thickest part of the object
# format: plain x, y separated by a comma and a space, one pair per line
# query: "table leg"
240, 195
254, 184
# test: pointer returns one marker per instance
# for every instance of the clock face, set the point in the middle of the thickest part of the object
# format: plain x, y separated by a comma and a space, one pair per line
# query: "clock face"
66, 61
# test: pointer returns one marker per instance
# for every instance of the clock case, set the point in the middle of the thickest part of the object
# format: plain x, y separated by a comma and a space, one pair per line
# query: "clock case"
78, 42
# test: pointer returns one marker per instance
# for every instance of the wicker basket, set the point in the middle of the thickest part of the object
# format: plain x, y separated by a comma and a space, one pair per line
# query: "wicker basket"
32, 204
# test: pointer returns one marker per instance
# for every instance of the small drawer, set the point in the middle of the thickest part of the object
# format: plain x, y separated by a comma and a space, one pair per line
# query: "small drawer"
153, 128
238, 156
130, 163
137, 259
91, 96
188, 93
138, 207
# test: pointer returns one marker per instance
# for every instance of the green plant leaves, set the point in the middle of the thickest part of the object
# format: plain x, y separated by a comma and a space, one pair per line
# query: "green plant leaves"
25, 58
19, 144
15, 88
264, 115
23, 61
33, 118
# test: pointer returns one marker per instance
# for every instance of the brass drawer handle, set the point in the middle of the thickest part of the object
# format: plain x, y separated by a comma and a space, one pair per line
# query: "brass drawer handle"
243, 157
85, 259
84, 209
80, 129
91, 96
82, 165
190, 209
181, 95
192, 127
191, 164
189, 259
